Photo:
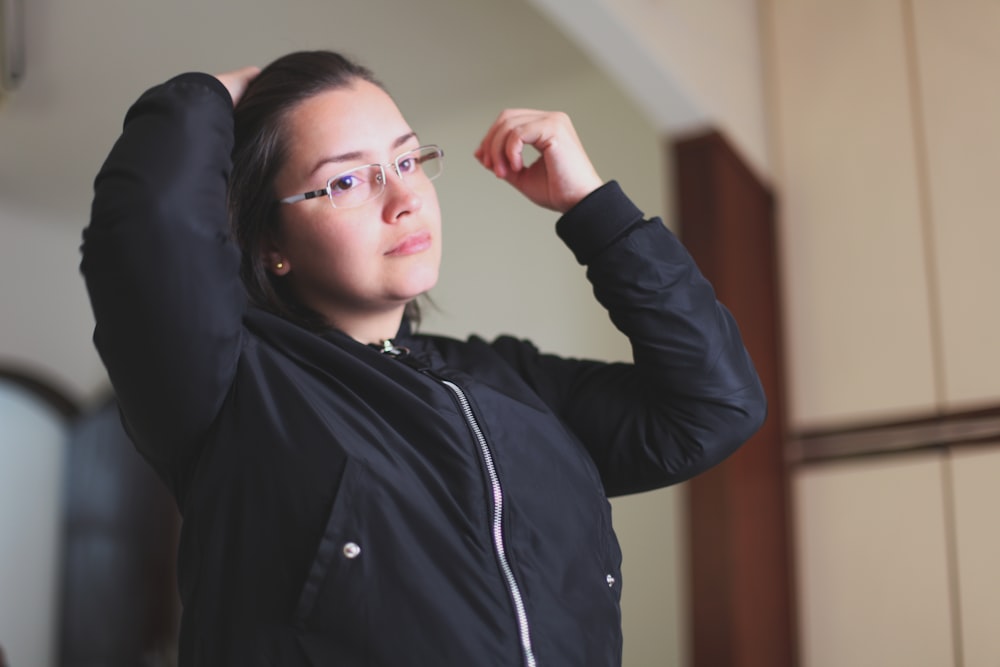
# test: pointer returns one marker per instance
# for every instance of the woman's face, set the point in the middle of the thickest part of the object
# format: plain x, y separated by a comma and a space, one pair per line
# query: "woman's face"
350, 263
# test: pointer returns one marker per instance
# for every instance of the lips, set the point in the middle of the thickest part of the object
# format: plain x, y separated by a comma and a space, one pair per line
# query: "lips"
411, 244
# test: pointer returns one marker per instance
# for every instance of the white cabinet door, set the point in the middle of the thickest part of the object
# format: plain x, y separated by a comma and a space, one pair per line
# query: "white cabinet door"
853, 250
872, 561
976, 472
958, 51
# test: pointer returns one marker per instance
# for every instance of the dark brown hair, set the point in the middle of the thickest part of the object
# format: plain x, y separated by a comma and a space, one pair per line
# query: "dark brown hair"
259, 152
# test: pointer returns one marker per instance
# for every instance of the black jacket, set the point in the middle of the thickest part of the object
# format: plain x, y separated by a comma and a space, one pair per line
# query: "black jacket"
343, 506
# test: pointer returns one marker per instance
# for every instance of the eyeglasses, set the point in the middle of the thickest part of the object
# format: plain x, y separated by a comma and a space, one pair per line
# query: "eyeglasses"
360, 185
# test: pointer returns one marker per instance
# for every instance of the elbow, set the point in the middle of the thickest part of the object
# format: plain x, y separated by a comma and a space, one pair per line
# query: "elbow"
751, 413
756, 411
726, 428
745, 415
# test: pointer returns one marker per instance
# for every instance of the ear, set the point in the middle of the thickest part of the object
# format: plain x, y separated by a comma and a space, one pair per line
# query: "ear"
274, 260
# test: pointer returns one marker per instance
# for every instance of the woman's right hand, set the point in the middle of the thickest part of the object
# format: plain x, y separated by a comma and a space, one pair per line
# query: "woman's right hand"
236, 82
560, 177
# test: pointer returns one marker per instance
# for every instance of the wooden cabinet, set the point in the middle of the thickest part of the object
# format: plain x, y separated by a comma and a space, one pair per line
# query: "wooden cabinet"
897, 559
873, 563
956, 56
886, 129
975, 473
888, 151
856, 300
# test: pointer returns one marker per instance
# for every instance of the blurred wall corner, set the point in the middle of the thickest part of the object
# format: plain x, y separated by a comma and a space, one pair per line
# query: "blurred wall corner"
43, 389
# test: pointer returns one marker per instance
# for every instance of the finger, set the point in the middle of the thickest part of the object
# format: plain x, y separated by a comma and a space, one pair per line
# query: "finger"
502, 147
507, 141
494, 144
481, 154
513, 149
541, 133
485, 150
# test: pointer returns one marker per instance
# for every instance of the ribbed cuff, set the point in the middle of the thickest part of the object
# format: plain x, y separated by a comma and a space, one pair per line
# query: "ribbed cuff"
202, 79
597, 221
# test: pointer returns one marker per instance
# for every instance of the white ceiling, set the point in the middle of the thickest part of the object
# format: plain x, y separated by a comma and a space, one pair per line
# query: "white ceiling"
87, 61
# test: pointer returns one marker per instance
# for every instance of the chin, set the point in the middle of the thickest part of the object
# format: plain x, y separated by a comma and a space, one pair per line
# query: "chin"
420, 280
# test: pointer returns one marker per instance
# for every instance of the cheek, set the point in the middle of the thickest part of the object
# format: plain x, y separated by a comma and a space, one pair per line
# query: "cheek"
316, 240
432, 211
433, 202
342, 256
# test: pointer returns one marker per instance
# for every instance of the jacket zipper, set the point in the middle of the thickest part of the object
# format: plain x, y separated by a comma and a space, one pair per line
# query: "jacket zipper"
498, 540
388, 347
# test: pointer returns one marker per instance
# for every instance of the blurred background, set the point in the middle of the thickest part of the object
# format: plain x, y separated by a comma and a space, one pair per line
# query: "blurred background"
871, 131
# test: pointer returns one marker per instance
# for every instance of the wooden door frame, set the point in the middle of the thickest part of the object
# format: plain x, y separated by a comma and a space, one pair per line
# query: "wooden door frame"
741, 575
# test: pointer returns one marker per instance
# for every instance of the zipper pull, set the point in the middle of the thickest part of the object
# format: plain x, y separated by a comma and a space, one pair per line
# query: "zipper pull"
402, 354
388, 347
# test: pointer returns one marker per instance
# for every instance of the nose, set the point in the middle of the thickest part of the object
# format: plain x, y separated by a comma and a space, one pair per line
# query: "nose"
401, 198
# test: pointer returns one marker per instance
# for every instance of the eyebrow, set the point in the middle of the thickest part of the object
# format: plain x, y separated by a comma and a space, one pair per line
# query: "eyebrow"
357, 155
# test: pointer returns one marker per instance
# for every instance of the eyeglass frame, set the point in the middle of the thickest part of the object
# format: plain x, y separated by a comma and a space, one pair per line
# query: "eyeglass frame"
313, 194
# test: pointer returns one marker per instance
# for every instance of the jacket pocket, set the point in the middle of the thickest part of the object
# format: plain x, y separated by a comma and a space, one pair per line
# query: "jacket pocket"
332, 591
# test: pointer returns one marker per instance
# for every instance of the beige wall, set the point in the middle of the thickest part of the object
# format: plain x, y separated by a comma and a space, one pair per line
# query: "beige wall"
687, 64
46, 316
713, 47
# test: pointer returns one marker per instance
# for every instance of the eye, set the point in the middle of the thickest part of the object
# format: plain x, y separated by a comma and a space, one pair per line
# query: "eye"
345, 183
409, 164
355, 186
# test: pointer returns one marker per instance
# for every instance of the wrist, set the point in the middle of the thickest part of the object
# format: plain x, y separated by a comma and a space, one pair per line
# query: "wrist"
579, 193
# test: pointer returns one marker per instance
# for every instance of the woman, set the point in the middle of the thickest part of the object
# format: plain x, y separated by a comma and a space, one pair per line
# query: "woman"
355, 493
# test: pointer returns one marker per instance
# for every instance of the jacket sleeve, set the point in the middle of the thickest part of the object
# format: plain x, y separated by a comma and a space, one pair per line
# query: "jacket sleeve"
690, 398
160, 268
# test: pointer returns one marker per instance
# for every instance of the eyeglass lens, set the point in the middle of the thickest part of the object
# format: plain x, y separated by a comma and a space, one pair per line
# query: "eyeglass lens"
359, 185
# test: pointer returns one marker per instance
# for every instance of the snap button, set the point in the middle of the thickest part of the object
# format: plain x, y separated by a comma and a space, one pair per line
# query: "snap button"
351, 550
611, 581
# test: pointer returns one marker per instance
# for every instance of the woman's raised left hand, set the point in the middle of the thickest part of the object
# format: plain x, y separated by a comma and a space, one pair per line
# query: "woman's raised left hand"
560, 177
236, 82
